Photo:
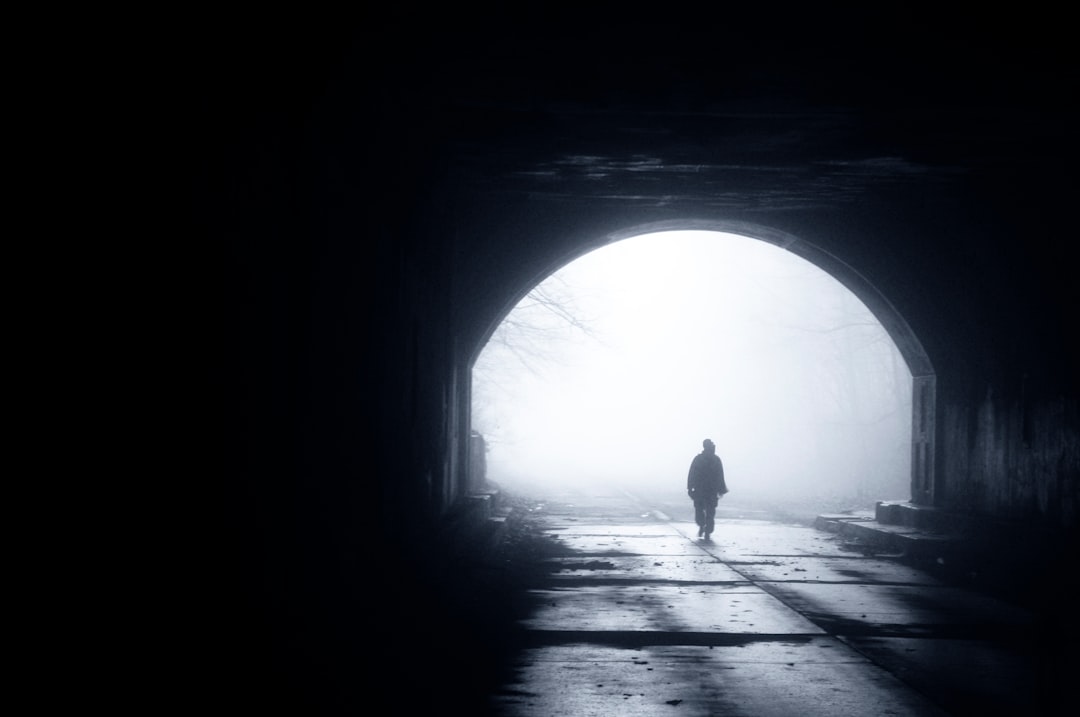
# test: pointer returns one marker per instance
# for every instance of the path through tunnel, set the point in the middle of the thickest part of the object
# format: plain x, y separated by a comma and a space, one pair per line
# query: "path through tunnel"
611, 371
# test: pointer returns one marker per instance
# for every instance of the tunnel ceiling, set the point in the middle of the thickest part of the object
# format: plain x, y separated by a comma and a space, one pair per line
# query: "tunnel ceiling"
749, 110
744, 160
746, 155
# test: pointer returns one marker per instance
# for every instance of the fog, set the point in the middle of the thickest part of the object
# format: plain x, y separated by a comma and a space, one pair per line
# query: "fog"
615, 368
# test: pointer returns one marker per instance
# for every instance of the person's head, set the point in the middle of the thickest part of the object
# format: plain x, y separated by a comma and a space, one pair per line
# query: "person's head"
709, 446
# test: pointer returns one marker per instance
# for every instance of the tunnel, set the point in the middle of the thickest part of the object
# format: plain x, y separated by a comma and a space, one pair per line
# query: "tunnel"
384, 189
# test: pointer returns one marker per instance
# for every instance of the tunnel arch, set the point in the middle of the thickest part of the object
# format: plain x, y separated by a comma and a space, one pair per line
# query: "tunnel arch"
924, 380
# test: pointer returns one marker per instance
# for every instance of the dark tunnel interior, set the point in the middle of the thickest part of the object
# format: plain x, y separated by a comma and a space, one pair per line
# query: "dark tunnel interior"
383, 184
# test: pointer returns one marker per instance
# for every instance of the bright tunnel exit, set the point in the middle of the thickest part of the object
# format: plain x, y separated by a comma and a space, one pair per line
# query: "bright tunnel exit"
613, 370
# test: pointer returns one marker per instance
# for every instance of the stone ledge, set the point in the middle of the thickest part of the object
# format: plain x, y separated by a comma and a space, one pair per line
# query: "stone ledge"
906, 540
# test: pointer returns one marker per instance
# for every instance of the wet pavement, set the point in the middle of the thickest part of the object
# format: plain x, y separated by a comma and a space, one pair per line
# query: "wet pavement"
638, 616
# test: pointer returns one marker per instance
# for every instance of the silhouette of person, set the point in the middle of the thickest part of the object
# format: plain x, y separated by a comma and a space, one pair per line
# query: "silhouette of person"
705, 484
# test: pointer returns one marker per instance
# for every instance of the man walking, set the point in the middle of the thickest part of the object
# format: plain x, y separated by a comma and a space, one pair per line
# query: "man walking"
705, 484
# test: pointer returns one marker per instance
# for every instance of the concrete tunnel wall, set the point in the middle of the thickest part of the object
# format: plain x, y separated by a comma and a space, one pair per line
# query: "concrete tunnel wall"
366, 271
941, 320
375, 226
373, 214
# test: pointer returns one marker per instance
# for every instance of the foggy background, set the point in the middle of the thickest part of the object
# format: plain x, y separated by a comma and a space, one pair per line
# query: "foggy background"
614, 369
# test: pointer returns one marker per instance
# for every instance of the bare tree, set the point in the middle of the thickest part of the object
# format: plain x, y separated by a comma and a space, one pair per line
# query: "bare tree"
534, 335
541, 323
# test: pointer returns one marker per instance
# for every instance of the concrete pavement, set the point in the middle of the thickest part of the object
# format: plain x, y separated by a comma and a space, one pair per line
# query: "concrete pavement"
637, 616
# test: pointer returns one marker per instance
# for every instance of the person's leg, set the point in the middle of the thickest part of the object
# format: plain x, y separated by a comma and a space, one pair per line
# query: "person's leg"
710, 518
699, 515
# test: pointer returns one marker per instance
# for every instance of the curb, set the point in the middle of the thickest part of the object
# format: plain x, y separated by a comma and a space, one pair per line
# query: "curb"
907, 541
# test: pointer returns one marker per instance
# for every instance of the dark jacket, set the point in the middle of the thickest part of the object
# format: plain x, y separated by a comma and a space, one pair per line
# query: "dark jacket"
706, 477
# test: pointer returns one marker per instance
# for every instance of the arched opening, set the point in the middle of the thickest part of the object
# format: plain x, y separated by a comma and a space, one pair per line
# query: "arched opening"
615, 366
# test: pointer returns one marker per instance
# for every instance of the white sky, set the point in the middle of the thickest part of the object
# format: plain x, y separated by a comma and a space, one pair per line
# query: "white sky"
702, 335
